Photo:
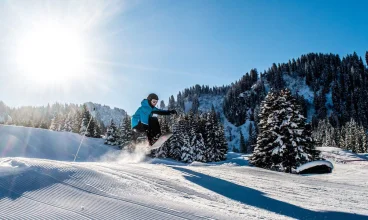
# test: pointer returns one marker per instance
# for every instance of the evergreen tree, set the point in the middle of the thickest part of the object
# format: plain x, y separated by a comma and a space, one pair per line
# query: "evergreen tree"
86, 123
162, 104
353, 137
210, 135
56, 123
187, 151
220, 146
284, 141
176, 141
195, 104
126, 133
197, 141
77, 121
97, 133
366, 57
112, 135
91, 131
164, 123
172, 103
68, 123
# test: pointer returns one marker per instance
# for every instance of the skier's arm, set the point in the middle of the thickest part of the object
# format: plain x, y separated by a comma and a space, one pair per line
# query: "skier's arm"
162, 112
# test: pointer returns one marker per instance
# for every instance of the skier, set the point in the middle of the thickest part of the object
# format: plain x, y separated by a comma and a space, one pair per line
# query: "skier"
143, 121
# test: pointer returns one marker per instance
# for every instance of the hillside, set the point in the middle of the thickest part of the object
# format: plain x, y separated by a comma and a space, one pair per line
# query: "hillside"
326, 86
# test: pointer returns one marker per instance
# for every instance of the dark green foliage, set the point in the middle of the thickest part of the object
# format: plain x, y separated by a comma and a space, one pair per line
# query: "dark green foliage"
245, 94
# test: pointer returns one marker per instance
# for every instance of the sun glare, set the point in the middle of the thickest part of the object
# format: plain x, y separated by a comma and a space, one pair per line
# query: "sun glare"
51, 54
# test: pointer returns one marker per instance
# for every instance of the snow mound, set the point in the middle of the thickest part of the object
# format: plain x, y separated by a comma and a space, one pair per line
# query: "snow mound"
338, 155
46, 144
9, 167
318, 166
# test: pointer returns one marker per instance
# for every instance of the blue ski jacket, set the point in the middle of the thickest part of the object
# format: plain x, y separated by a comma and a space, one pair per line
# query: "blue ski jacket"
144, 112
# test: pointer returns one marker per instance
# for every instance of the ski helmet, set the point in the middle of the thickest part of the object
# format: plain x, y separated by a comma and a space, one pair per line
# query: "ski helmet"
152, 96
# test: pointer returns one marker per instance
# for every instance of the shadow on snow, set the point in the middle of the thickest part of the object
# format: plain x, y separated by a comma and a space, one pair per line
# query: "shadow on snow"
258, 199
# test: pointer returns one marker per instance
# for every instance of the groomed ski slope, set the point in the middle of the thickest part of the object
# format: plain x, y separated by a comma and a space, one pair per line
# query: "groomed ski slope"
106, 183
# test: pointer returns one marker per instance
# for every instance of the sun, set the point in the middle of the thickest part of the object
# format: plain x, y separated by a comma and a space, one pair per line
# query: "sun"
51, 54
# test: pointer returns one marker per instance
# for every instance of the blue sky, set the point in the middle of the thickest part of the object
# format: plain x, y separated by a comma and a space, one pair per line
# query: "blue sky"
164, 46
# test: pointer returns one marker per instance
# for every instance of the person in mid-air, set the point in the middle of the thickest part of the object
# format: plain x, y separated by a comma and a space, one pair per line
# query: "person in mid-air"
143, 121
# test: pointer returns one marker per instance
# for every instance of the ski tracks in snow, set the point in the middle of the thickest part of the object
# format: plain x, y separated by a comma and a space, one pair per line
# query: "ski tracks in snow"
37, 188
58, 190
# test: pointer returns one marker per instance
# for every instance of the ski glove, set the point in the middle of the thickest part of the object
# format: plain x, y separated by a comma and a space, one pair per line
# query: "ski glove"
173, 112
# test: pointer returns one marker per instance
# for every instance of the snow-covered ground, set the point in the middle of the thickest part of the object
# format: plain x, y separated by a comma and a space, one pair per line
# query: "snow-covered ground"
119, 185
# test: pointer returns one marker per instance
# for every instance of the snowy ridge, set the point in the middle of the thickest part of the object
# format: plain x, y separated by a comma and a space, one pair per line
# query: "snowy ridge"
105, 113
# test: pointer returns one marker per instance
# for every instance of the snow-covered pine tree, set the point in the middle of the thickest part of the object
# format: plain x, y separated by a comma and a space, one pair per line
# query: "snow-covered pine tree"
326, 135
164, 123
176, 141
284, 141
57, 122
44, 124
61, 123
360, 140
77, 121
126, 133
162, 104
197, 142
210, 136
364, 147
68, 123
112, 136
243, 146
332, 136
353, 137
86, 122
54, 123
92, 129
350, 134
172, 103
221, 144
187, 151
195, 104
97, 133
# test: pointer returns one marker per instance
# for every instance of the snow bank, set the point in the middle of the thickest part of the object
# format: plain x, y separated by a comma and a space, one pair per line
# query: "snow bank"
40, 143
11, 167
314, 164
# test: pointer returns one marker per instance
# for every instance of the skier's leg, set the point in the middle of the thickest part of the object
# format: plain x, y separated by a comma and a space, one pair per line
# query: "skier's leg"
138, 131
154, 131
